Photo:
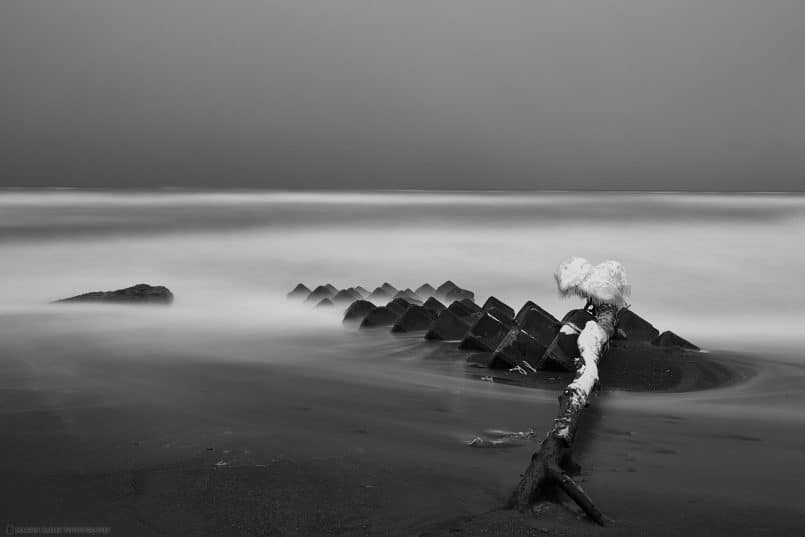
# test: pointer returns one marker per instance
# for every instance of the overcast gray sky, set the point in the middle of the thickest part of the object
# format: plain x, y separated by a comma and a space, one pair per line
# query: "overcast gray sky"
606, 94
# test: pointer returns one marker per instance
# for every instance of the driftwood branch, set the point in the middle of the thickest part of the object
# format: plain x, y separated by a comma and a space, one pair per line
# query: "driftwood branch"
549, 465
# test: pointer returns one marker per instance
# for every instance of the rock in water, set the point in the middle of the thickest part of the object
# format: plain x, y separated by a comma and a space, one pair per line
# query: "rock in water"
380, 316
448, 326
319, 293
530, 306
503, 315
361, 291
389, 289
637, 329
425, 290
445, 288
464, 308
299, 292
460, 294
468, 302
398, 306
141, 293
434, 305
357, 311
543, 327
669, 339
486, 334
518, 348
379, 295
564, 349
415, 318
410, 296
325, 303
526, 343
504, 308
345, 296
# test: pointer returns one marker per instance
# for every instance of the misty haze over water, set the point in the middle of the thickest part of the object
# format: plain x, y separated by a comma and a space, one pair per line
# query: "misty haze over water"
721, 270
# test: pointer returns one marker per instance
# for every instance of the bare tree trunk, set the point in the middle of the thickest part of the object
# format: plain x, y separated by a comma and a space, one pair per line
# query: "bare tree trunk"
549, 465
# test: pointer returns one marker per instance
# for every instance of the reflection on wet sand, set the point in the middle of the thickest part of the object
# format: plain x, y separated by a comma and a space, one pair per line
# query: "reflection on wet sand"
160, 428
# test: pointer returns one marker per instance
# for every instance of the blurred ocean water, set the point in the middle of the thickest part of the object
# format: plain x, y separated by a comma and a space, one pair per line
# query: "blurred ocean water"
724, 271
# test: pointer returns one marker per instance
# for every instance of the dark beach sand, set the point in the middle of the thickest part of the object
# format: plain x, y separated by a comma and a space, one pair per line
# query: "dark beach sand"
365, 434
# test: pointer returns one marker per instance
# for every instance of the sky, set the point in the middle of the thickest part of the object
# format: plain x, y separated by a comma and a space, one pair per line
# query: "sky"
404, 94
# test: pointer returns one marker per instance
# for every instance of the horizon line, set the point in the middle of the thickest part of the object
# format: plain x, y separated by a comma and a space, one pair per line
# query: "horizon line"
384, 190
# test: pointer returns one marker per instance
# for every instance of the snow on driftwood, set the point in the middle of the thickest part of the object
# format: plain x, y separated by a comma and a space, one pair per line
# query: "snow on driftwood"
605, 283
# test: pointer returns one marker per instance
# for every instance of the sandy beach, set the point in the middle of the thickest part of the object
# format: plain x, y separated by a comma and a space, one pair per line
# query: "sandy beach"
367, 436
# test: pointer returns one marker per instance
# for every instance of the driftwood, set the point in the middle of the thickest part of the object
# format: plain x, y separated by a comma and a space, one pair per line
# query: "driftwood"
550, 464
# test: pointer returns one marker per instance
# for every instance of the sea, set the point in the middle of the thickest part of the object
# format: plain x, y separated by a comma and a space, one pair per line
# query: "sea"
722, 270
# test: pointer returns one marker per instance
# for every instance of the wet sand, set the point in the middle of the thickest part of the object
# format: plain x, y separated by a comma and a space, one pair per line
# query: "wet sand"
344, 433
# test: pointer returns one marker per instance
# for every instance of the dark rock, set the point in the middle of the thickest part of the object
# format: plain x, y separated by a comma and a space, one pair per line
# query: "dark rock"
573, 313
434, 305
530, 306
320, 292
526, 343
669, 339
564, 349
361, 291
464, 308
325, 303
518, 348
460, 294
493, 302
445, 288
501, 315
540, 326
357, 311
415, 318
345, 296
141, 293
409, 295
380, 316
468, 302
390, 289
425, 290
636, 328
448, 326
486, 334
379, 295
399, 305
299, 292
